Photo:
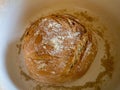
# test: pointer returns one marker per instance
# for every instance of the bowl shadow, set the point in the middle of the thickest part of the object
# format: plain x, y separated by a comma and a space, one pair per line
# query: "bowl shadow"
12, 65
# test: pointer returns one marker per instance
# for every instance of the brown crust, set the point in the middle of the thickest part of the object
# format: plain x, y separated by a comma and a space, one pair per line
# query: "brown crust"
57, 49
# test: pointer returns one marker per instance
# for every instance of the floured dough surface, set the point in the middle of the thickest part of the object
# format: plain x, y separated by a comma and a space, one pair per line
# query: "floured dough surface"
58, 49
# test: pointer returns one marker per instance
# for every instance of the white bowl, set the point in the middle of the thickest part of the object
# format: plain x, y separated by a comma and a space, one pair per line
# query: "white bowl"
12, 27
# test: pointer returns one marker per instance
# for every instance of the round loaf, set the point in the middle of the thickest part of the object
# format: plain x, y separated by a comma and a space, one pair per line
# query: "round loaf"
58, 49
